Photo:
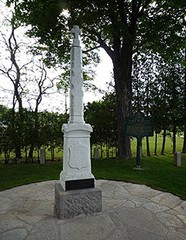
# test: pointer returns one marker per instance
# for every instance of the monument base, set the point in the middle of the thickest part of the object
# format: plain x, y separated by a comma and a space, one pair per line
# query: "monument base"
69, 204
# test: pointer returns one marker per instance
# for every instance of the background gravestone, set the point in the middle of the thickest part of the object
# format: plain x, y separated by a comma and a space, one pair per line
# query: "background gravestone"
177, 159
42, 157
96, 153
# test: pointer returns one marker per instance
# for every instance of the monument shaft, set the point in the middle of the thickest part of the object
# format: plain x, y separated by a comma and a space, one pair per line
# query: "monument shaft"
76, 80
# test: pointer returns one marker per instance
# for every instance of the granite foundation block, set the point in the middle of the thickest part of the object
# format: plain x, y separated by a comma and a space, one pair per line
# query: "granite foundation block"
69, 204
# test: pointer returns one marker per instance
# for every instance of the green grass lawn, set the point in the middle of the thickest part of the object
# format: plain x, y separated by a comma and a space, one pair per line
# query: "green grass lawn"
168, 147
12, 175
158, 172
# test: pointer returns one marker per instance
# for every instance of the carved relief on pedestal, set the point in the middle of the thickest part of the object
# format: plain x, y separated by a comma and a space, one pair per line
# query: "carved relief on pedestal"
77, 156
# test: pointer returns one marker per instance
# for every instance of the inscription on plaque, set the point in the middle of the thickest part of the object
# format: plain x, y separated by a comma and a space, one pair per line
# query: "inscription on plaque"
139, 126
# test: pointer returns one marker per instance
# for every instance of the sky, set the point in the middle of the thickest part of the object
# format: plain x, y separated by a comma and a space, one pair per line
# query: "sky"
55, 100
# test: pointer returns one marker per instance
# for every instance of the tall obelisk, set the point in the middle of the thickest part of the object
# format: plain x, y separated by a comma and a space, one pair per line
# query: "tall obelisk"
75, 193
76, 172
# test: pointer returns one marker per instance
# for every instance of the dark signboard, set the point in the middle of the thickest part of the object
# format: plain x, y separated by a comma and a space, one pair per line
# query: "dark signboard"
139, 126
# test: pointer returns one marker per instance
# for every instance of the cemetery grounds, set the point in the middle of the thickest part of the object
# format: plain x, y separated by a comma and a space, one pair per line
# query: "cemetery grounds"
158, 172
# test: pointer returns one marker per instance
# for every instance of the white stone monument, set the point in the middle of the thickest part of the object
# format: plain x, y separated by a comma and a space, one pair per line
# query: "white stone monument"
75, 194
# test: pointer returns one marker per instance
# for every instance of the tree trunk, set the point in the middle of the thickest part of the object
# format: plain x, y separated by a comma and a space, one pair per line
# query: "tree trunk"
121, 52
101, 150
17, 153
148, 147
107, 151
16, 133
52, 154
35, 135
184, 140
6, 154
123, 84
174, 137
156, 143
26, 155
163, 144
31, 151
38, 154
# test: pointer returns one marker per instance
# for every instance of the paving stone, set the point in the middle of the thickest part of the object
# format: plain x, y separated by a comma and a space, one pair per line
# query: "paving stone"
130, 212
139, 218
5, 204
154, 207
98, 183
118, 235
14, 234
44, 230
121, 193
167, 199
135, 233
169, 220
182, 230
108, 187
30, 219
24, 205
181, 208
44, 208
183, 218
45, 192
140, 190
138, 201
129, 204
111, 204
100, 227
175, 235
9, 222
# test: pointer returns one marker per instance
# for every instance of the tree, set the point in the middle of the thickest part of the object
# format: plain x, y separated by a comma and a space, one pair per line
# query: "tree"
160, 92
48, 134
42, 84
102, 117
29, 77
4, 143
118, 26
184, 142
13, 72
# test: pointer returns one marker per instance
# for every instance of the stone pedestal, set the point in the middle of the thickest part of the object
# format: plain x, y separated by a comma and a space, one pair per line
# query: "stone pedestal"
76, 172
70, 204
